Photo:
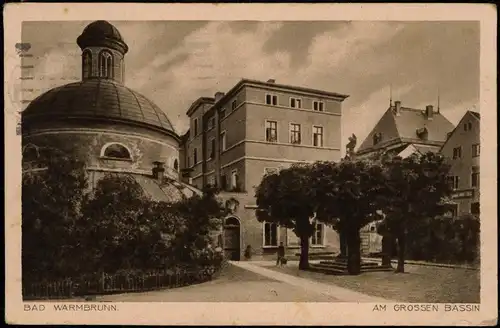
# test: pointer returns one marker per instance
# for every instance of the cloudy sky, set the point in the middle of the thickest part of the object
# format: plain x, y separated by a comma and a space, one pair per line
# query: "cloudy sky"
174, 63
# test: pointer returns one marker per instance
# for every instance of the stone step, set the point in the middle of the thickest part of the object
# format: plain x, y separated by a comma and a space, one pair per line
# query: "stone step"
332, 271
378, 269
313, 254
344, 263
342, 269
324, 257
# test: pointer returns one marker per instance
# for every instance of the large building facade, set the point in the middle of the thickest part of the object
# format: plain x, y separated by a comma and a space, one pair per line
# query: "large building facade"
255, 128
463, 151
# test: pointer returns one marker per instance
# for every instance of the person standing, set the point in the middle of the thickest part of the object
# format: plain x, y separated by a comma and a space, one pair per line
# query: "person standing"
281, 253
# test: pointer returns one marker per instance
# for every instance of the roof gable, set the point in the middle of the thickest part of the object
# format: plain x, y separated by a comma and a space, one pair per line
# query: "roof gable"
468, 115
386, 125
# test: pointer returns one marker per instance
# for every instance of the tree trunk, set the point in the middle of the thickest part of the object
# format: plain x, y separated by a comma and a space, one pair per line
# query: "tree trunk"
387, 242
401, 252
353, 252
343, 244
304, 253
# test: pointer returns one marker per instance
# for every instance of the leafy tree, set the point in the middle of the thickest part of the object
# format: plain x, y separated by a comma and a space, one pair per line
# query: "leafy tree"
53, 189
288, 199
203, 215
416, 189
118, 232
348, 197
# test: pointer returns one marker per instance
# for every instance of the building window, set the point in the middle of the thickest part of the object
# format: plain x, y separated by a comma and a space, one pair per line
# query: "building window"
222, 113
195, 156
317, 136
116, 151
223, 182
86, 63
234, 180
106, 64
377, 138
295, 133
475, 150
271, 131
318, 106
468, 126
453, 182
189, 161
271, 99
212, 149
270, 234
176, 165
457, 152
475, 179
295, 102
195, 123
474, 208
233, 105
317, 237
223, 141
211, 123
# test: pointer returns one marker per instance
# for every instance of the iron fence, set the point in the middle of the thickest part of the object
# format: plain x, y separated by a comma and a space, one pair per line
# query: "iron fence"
115, 283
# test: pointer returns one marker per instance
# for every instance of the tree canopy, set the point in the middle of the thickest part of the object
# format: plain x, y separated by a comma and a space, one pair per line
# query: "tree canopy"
288, 199
416, 189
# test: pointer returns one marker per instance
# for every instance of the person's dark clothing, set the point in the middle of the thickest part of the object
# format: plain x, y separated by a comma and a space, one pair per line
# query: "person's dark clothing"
281, 254
281, 251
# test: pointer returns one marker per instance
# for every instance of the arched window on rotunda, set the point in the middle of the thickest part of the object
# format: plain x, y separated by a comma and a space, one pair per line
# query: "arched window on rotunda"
86, 64
116, 151
106, 64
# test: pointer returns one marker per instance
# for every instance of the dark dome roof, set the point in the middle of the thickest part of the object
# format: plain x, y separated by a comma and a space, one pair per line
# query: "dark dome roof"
102, 33
97, 99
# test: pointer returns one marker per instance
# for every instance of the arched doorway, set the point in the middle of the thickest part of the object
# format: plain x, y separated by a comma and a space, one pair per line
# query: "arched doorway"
232, 238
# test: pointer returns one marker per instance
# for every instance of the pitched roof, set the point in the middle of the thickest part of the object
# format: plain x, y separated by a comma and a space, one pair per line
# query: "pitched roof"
405, 126
468, 113
476, 114
274, 85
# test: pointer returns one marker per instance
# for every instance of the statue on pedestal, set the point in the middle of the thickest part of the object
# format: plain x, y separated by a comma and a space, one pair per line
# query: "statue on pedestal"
350, 146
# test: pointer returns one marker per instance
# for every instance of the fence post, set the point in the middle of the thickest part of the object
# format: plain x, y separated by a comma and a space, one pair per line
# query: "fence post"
103, 283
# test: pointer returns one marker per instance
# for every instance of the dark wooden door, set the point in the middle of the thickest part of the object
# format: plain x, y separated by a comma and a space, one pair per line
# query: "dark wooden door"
232, 240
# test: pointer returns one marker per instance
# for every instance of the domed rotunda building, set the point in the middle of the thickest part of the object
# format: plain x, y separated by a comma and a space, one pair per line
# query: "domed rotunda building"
113, 128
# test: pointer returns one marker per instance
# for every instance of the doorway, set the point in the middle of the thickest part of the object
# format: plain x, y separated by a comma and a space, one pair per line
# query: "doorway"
232, 239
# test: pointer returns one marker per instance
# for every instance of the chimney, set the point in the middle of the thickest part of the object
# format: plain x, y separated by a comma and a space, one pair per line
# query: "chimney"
218, 96
397, 107
158, 171
429, 112
271, 81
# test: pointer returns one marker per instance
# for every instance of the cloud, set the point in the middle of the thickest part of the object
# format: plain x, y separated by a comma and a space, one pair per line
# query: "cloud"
208, 60
175, 62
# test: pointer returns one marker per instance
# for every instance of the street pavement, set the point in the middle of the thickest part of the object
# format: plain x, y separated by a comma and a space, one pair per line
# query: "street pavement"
236, 284
250, 282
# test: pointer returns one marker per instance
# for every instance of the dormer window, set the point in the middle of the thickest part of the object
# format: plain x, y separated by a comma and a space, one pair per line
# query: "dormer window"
422, 133
116, 151
106, 64
86, 64
377, 138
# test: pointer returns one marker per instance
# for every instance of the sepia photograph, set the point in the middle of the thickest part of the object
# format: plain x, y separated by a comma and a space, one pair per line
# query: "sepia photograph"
250, 161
